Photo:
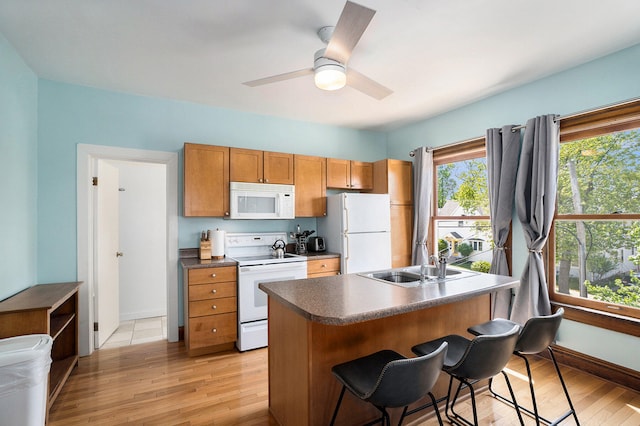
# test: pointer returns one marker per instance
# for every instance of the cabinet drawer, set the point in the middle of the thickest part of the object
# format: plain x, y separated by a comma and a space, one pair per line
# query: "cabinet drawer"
212, 275
212, 330
323, 265
212, 291
212, 307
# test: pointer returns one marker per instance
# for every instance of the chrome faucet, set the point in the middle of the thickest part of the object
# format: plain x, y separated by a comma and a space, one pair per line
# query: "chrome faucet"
441, 265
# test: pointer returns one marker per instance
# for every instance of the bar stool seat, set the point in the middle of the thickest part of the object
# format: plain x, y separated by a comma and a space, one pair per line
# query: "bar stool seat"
388, 379
535, 336
469, 361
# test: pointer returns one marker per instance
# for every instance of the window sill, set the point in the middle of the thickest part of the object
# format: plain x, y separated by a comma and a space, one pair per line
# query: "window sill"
608, 321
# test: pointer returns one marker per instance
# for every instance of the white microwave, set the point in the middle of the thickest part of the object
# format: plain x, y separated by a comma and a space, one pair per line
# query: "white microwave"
262, 201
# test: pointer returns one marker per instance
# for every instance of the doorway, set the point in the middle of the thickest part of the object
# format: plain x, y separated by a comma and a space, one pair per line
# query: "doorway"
87, 156
141, 309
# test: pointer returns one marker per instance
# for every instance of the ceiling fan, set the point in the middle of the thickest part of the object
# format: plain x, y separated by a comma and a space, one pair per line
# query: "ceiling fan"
330, 64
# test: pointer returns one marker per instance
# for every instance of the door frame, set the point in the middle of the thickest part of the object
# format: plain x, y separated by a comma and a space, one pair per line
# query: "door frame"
86, 155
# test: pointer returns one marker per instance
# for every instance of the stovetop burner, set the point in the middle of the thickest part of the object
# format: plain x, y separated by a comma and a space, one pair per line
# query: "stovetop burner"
256, 248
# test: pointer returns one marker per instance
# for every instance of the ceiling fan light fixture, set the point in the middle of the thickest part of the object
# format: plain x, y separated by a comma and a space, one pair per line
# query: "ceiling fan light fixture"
330, 77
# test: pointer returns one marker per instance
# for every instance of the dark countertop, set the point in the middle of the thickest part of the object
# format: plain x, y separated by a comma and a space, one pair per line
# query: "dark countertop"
189, 259
351, 298
194, 263
321, 255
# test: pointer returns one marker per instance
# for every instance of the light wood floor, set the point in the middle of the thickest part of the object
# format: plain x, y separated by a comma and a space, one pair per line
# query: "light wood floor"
158, 384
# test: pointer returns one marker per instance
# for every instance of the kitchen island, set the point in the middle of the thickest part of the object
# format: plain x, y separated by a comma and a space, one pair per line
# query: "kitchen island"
317, 323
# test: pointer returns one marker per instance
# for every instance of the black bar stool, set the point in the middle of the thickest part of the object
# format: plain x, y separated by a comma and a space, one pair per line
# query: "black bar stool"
535, 336
472, 360
387, 379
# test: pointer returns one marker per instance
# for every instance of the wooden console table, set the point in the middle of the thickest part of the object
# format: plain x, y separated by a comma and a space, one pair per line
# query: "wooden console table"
47, 309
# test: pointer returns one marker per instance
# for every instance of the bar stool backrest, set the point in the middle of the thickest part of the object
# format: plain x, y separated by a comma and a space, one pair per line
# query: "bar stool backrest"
486, 355
538, 333
405, 381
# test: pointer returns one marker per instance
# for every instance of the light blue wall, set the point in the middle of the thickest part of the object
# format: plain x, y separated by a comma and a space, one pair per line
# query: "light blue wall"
18, 172
610, 79
71, 114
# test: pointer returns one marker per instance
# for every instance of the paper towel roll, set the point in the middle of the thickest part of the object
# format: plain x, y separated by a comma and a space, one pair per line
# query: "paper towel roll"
217, 242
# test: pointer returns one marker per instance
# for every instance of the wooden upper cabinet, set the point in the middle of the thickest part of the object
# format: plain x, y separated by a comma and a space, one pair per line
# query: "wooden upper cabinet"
347, 174
394, 177
361, 175
278, 168
311, 186
206, 180
250, 165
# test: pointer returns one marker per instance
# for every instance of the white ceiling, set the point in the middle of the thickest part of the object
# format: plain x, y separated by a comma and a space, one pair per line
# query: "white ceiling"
435, 55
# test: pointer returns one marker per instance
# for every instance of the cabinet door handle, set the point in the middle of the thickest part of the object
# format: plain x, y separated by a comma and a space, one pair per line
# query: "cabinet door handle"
214, 307
266, 181
214, 330
323, 265
213, 275
214, 291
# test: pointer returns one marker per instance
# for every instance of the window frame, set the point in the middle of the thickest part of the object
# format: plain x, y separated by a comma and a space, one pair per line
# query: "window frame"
625, 116
467, 150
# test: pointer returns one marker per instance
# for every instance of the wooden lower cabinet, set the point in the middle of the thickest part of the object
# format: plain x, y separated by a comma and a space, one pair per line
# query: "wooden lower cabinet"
210, 314
324, 267
302, 390
46, 309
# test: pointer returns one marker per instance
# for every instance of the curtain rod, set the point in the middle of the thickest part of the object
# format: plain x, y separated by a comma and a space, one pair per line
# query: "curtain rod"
557, 119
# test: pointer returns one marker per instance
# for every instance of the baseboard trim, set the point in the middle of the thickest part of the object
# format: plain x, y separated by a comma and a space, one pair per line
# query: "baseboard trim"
605, 370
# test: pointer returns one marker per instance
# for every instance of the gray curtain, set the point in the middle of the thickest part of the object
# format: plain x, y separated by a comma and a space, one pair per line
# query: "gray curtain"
503, 148
536, 186
423, 210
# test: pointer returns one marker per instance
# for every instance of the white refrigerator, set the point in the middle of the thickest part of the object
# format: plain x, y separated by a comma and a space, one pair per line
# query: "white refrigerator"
358, 226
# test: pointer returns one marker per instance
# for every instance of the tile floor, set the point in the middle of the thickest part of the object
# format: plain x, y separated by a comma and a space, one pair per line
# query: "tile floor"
138, 331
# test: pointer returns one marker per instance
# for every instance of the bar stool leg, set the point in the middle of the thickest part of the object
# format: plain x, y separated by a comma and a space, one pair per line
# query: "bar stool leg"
335, 412
566, 392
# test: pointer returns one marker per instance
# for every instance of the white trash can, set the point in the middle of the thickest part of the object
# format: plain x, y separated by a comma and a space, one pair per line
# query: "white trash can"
24, 370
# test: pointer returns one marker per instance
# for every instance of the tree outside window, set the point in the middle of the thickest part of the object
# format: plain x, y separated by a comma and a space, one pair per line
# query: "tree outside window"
597, 226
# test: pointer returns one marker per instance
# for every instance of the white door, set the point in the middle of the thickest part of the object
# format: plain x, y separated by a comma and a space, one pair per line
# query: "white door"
366, 252
106, 291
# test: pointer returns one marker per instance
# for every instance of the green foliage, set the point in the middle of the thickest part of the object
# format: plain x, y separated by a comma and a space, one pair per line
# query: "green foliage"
443, 246
472, 194
600, 176
481, 266
464, 249
446, 184
600, 264
628, 295
607, 171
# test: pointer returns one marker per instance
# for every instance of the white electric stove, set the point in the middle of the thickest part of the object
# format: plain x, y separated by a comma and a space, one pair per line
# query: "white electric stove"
257, 264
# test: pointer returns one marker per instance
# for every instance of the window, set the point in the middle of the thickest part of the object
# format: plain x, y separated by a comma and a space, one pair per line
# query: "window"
461, 199
596, 232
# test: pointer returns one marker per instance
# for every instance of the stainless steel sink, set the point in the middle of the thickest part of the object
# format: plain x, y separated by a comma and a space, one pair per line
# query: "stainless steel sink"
410, 276
394, 276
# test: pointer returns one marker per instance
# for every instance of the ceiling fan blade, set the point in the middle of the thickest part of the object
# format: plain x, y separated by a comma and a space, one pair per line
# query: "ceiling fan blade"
366, 85
352, 23
279, 77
